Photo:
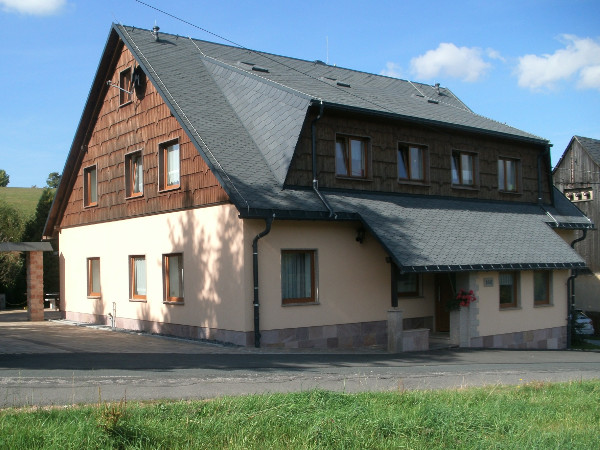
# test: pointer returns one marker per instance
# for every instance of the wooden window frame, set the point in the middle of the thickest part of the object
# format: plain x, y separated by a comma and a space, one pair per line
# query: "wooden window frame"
405, 294
346, 140
163, 166
167, 280
503, 160
515, 288
403, 155
475, 169
133, 280
313, 299
130, 173
125, 85
90, 278
87, 182
548, 278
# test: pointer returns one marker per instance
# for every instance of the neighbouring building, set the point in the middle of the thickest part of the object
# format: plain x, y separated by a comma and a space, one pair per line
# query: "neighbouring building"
223, 193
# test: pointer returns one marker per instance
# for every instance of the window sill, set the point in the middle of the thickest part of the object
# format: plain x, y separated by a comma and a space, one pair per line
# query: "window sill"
91, 205
300, 304
94, 297
126, 103
424, 183
135, 196
465, 187
543, 305
347, 178
510, 308
167, 302
169, 189
138, 300
510, 192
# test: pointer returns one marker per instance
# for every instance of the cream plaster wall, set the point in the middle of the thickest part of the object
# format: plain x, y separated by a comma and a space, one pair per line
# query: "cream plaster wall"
493, 320
211, 240
353, 279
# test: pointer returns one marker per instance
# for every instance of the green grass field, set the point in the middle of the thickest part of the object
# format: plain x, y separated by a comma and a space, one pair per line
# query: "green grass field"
536, 415
24, 200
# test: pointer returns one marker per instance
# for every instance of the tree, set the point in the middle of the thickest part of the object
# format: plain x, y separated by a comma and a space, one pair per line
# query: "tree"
4, 178
53, 180
11, 263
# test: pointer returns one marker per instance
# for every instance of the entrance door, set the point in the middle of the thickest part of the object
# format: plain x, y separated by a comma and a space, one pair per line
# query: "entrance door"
444, 291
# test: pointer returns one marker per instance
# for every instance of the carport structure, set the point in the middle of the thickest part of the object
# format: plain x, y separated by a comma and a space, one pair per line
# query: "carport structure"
35, 274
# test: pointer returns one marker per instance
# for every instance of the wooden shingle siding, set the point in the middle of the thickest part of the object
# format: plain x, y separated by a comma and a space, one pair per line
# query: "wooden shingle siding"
385, 135
139, 125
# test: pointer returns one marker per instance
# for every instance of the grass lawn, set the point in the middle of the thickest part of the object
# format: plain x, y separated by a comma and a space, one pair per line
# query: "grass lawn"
24, 200
535, 415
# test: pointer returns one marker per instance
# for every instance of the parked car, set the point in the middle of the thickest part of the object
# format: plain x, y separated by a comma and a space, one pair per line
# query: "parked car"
583, 323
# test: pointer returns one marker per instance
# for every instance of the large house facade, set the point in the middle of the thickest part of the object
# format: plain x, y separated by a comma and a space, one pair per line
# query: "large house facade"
220, 193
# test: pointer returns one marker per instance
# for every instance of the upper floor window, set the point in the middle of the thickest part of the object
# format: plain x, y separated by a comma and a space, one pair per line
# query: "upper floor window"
125, 85
508, 175
90, 186
464, 169
298, 276
412, 160
134, 174
351, 156
93, 277
168, 164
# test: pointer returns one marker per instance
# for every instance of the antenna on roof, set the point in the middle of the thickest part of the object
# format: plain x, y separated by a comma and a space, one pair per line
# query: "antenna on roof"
155, 29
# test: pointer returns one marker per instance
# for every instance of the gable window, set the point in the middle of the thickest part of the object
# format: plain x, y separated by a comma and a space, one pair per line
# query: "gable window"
90, 186
173, 277
508, 175
408, 285
169, 166
93, 277
541, 287
298, 284
464, 166
134, 174
125, 85
137, 277
351, 155
508, 282
411, 162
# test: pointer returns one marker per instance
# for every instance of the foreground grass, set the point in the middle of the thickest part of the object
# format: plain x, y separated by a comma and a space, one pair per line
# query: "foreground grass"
536, 415
24, 200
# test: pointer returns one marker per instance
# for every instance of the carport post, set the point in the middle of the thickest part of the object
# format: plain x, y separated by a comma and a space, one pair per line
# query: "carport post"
35, 286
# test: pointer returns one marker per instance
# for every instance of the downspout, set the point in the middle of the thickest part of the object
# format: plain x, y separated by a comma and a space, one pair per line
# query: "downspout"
269, 221
571, 292
315, 182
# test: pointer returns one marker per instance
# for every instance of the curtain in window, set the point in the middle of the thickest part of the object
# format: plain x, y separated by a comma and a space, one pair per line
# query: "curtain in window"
511, 175
139, 266
402, 164
506, 282
341, 166
95, 273
138, 174
357, 149
466, 166
93, 186
173, 164
296, 273
455, 166
175, 276
501, 184
416, 163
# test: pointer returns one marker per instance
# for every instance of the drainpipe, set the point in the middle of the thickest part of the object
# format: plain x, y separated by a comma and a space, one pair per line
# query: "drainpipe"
260, 235
571, 292
315, 182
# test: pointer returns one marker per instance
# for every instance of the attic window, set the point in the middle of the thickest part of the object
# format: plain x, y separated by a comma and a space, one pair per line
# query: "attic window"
432, 101
90, 186
260, 69
342, 84
252, 66
125, 85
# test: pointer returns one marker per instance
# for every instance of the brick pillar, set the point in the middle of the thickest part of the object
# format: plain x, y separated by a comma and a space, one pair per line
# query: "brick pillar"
35, 286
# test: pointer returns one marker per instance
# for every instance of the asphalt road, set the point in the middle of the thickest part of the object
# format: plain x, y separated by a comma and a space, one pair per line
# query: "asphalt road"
53, 363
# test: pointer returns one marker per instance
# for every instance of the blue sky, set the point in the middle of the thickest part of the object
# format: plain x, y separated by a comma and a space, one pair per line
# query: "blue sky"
534, 65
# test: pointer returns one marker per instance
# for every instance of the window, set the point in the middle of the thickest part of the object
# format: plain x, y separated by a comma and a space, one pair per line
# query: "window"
134, 174
169, 166
125, 85
464, 169
508, 289
541, 287
408, 285
173, 276
508, 175
351, 156
411, 162
298, 283
137, 277
93, 277
90, 186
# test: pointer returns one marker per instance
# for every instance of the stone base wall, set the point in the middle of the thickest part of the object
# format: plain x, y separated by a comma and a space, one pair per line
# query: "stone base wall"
547, 338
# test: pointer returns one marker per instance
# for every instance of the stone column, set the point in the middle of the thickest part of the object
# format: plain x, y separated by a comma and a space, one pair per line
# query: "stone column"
395, 330
35, 286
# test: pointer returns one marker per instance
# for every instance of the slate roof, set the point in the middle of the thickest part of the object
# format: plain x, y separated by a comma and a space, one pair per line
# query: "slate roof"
592, 146
244, 111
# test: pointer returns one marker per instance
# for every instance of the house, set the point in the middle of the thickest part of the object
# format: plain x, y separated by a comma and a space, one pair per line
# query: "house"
221, 193
577, 176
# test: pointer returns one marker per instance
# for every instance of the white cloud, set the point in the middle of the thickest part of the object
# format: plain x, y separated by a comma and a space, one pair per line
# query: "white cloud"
34, 7
580, 58
449, 60
392, 70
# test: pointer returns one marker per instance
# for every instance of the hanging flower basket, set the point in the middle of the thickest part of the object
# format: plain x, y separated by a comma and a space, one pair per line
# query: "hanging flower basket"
462, 299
